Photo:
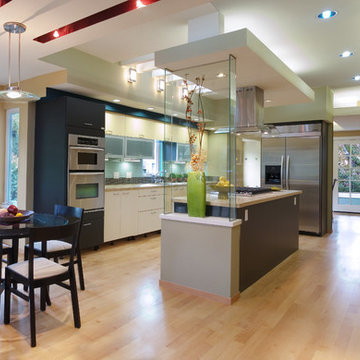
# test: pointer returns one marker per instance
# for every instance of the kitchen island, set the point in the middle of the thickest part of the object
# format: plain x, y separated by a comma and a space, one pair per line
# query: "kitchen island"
264, 233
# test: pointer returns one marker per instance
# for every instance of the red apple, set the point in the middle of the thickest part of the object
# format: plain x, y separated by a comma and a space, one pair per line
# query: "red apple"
12, 209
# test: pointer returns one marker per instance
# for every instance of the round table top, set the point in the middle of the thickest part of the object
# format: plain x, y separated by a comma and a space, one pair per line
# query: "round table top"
21, 229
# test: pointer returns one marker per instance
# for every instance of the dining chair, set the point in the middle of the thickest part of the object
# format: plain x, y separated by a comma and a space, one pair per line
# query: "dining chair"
58, 248
7, 250
40, 272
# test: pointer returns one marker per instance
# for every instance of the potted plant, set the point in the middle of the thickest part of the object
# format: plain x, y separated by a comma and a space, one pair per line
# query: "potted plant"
172, 177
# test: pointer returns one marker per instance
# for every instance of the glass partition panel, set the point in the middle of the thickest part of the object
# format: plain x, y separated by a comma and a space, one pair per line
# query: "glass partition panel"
202, 100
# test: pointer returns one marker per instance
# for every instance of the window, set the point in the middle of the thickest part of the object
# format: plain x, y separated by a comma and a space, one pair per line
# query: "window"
12, 156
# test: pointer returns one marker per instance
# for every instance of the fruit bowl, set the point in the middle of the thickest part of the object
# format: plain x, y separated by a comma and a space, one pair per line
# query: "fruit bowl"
222, 190
8, 218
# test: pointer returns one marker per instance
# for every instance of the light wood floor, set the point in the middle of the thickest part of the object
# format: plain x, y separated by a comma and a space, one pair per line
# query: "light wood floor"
306, 308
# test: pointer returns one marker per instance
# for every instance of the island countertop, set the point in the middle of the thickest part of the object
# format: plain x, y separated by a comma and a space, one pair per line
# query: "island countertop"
243, 201
118, 187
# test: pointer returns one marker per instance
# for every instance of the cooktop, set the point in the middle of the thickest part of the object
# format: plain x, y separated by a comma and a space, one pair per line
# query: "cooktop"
252, 190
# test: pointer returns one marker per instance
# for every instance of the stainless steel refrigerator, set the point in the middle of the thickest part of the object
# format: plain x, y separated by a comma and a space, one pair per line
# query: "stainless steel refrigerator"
294, 157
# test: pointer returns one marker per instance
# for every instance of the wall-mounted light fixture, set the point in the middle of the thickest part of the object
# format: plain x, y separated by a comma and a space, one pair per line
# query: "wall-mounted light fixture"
184, 92
132, 75
160, 85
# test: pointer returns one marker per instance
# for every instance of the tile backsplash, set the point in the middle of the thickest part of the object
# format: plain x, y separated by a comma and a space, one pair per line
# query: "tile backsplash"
119, 169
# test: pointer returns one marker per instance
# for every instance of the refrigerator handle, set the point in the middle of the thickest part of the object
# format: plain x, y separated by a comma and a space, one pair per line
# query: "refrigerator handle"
282, 179
287, 171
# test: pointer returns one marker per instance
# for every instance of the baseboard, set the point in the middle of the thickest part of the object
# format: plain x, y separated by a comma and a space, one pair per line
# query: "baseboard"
218, 298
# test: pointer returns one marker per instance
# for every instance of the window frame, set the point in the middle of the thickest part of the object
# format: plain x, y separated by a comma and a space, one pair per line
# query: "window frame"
9, 114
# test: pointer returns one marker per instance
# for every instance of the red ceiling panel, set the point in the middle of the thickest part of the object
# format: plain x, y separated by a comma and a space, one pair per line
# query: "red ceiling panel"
90, 20
4, 2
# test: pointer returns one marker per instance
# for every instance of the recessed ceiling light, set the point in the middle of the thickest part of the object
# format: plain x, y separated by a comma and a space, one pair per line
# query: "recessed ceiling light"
150, 108
268, 101
327, 14
116, 100
346, 54
139, 4
356, 78
175, 114
220, 75
56, 34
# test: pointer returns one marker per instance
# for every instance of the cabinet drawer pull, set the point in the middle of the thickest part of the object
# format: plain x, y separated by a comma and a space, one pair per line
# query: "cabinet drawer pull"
87, 224
153, 198
126, 193
88, 124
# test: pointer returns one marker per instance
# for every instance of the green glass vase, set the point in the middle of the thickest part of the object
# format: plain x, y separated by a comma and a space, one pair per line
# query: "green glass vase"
196, 194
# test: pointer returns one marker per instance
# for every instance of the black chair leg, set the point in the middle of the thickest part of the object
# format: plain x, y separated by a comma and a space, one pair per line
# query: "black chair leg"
7, 299
48, 301
80, 270
26, 253
75, 302
43, 293
26, 257
32, 316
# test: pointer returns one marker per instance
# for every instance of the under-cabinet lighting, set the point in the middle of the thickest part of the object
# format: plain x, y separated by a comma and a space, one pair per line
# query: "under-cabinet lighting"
327, 14
222, 131
132, 160
116, 100
150, 108
132, 75
160, 85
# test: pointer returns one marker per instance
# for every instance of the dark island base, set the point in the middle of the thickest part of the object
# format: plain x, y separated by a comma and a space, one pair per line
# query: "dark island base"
269, 234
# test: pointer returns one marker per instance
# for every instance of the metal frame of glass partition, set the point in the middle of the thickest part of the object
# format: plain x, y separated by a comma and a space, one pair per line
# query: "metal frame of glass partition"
219, 141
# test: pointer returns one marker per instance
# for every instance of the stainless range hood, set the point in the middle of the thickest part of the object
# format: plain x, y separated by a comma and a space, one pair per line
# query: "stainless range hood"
249, 115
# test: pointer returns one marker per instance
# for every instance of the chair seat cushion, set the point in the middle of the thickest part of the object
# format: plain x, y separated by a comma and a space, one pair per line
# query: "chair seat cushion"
43, 268
53, 245
7, 243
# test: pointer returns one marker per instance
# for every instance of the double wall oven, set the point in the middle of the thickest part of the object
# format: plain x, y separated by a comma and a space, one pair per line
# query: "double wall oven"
86, 182
69, 160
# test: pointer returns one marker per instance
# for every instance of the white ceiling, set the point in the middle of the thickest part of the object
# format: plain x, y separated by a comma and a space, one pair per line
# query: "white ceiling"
290, 29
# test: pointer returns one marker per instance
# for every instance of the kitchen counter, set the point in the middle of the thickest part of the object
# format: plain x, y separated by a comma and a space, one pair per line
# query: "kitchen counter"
118, 187
243, 201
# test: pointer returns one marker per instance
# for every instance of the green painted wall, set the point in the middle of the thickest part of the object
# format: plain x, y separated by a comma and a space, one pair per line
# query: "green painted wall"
320, 109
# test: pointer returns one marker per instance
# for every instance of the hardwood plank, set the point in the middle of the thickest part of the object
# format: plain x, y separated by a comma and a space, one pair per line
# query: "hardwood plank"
308, 307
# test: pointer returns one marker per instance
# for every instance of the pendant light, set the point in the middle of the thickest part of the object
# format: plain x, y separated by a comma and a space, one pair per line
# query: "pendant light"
14, 93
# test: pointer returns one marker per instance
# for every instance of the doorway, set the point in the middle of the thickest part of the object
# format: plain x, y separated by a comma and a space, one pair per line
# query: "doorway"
346, 196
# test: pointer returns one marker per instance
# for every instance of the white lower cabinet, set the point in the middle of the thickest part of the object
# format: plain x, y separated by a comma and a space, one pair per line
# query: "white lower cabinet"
132, 212
129, 208
120, 214
112, 224
149, 220
137, 211
150, 206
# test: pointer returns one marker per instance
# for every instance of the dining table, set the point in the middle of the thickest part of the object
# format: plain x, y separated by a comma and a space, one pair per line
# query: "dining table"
17, 230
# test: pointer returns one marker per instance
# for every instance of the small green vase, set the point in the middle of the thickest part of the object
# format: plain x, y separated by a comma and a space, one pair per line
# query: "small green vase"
196, 194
